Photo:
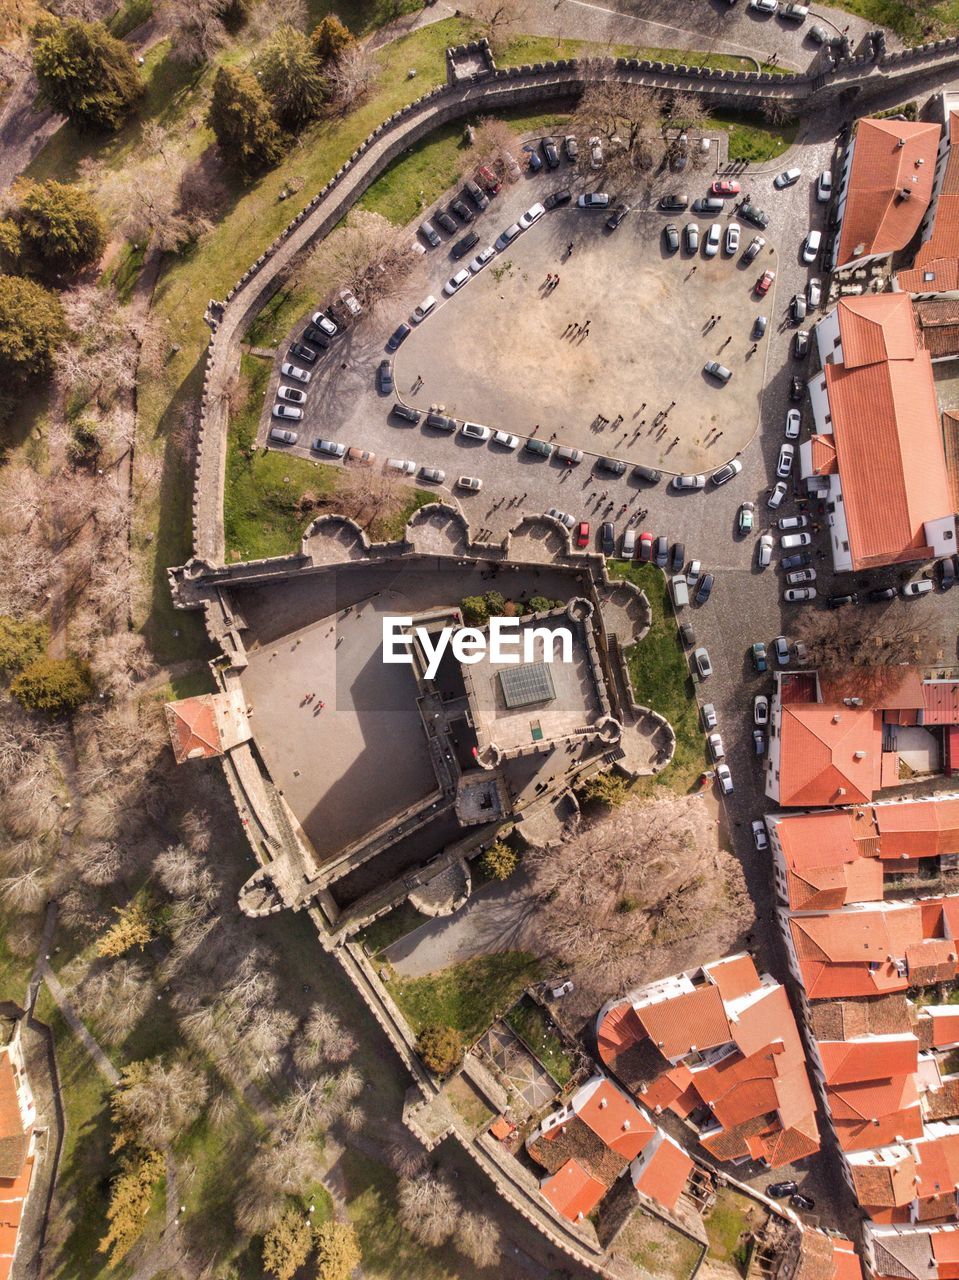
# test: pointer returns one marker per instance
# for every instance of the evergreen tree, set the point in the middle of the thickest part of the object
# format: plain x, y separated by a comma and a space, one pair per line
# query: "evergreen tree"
240, 117
31, 324
290, 77
84, 72
330, 39
60, 226
54, 685
287, 1245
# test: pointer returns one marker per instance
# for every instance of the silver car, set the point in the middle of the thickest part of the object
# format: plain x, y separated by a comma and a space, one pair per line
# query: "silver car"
687, 482
713, 240
475, 431
765, 550
732, 238
776, 497
505, 440
332, 448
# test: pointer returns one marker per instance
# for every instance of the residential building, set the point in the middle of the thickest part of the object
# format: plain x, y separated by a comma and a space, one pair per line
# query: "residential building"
894, 1252
719, 1048
17, 1147
818, 1255
884, 189
208, 725
876, 458
935, 268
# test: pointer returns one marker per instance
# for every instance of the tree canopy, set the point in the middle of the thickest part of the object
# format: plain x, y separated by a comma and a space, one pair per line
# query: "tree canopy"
31, 325
60, 226
240, 117
290, 77
84, 72
330, 38
55, 685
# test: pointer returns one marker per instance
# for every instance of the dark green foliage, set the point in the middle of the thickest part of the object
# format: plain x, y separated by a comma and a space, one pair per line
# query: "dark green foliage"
290, 77
60, 225
330, 38
55, 685
441, 1049
84, 72
22, 642
31, 324
239, 115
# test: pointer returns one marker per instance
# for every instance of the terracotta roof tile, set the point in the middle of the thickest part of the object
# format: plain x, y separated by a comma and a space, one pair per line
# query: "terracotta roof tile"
885, 1184
735, 976
11, 1122
664, 1175
194, 733
824, 461
820, 762
918, 828
940, 253
572, 1191
614, 1118
847, 1062
945, 1249
694, 1018
934, 960
940, 702
876, 219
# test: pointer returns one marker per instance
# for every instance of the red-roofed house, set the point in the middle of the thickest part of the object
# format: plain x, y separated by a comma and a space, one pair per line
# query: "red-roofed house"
823, 753
935, 268
661, 1170
816, 1255
909, 1180
907, 1253
572, 1191
17, 1147
859, 951
884, 188
888, 499
207, 726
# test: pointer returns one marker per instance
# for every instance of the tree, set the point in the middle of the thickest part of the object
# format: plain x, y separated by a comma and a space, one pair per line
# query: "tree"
31, 325
55, 685
441, 1048
351, 75
857, 658
499, 861
606, 788
135, 927
114, 996
239, 115
492, 140
330, 39
130, 1195
475, 611
60, 226
197, 29
11, 246
155, 1102
369, 255
478, 1237
291, 79
323, 1038
85, 73
22, 642
337, 1250
626, 118
497, 21
429, 1208
370, 497
287, 1245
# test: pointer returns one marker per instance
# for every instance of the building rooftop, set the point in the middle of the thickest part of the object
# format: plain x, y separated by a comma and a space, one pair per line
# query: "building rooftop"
663, 1173
938, 256
829, 754
572, 1191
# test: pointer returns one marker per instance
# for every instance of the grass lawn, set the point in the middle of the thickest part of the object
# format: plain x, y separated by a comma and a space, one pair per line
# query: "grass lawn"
753, 139
529, 49
660, 675
15, 970
467, 1102
376, 937
915, 22
529, 1021
657, 1247
467, 996
730, 1217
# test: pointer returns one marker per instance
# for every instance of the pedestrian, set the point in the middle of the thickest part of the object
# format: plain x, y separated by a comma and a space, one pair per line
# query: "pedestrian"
555, 282
693, 271
569, 248
322, 704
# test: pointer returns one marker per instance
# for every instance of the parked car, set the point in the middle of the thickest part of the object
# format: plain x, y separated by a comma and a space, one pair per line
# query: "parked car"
291, 394
795, 12
687, 635
776, 497
708, 204
785, 523
432, 474
614, 466
764, 6
797, 308
430, 234
819, 34
593, 200
289, 411
725, 779
607, 538
705, 588
717, 370
332, 448
316, 338
760, 839
715, 744
566, 453
661, 552
725, 473
488, 180
691, 237
760, 709
680, 590
674, 202
714, 238
479, 262
563, 517
399, 334
744, 521
801, 344
440, 421
472, 484
384, 378
762, 285
582, 533
557, 198
798, 595
365, 457
412, 416
505, 439
780, 1189
799, 1201
645, 547
704, 668
790, 541
532, 214
671, 237
879, 594
475, 431
811, 246
648, 474
824, 187
507, 237
725, 187
455, 283
731, 240
476, 194
405, 466
797, 388
571, 147
294, 371
919, 587
686, 482
462, 210
793, 422
462, 247
616, 217
753, 249
550, 153
796, 561
784, 464
595, 153
282, 435
787, 178
541, 447
759, 742
799, 576
422, 311
709, 716
765, 550
628, 548
814, 292
754, 215
324, 323
781, 646
760, 325
758, 652
446, 221
839, 602
677, 556
946, 573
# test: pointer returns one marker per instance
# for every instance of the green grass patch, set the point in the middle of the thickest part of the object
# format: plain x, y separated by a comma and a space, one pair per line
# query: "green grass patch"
914, 22
428, 168
124, 271
530, 49
467, 996
660, 676
530, 1023
131, 15
730, 1217
396, 924
467, 1103
753, 139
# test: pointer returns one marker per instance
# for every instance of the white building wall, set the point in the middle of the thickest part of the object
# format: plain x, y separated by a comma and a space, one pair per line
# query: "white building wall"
827, 338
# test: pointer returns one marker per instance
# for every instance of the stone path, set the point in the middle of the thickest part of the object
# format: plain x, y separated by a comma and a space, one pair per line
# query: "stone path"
76, 1023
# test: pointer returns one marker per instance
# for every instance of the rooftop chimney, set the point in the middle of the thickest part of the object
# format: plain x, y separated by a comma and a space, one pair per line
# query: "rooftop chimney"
902, 142
836, 718
603, 1103
859, 755
625, 1124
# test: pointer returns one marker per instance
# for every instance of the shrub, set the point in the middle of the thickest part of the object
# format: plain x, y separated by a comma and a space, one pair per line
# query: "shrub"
85, 73
136, 926
330, 39
60, 226
475, 611
54, 685
499, 861
605, 788
31, 325
495, 604
130, 1196
22, 642
286, 1245
441, 1049
337, 1250
542, 604
290, 78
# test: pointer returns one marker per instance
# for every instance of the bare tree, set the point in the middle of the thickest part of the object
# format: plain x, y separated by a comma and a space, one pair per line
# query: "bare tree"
157, 1101
429, 1208
322, 1038
369, 255
493, 140
115, 997
26, 890
857, 657
626, 118
196, 29
498, 20
406, 1159
351, 75
370, 497
478, 1237
119, 662
98, 358
267, 18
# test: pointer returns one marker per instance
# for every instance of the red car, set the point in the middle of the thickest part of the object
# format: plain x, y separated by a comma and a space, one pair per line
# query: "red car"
488, 179
582, 533
764, 282
646, 547
725, 187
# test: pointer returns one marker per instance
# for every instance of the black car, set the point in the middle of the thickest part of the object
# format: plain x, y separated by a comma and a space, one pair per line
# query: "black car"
754, 215
469, 241
616, 217
649, 474
837, 602
607, 538
946, 570
779, 1189
384, 378
446, 222
317, 338
878, 594
687, 635
476, 193
556, 198
799, 560
406, 413
679, 556
661, 552
675, 201
612, 465
304, 353
797, 388
705, 588
462, 210
398, 335
671, 237
550, 153
801, 344
801, 1202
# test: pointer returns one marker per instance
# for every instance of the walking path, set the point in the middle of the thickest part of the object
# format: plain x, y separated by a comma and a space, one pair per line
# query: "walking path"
76, 1023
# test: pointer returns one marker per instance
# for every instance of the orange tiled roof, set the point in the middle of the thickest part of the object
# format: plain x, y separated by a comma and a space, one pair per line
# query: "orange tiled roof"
194, 733
615, 1120
875, 1113
830, 858
945, 1249
824, 461
885, 423
876, 218
695, 1018
819, 746
944, 1021
851, 953
936, 275
846, 1259
848, 1061
885, 1184
940, 702
735, 976
664, 1174
572, 1191
919, 828
11, 1122
940, 253
932, 960
619, 1031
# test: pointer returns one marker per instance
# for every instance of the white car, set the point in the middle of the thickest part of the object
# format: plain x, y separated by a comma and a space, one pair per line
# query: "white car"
765, 550
287, 411
294, 371
709, 716
529, 217
787, 178
330, 447
713, 240
787, 523
475, 431
505, 440
784, 463
756, 244
790, 541
824, 187
508, 236
798, 595
776, 497
799, 576
325, 323
688, 482
814, 292
481, 259
764, 6
810, 246
732, 238
793, 420
760, 709
693, 572
760, 839
403, 465
472, 483
423, 310
725, 779
918, 588
562, 516
716, 748
595, 153
456, 282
